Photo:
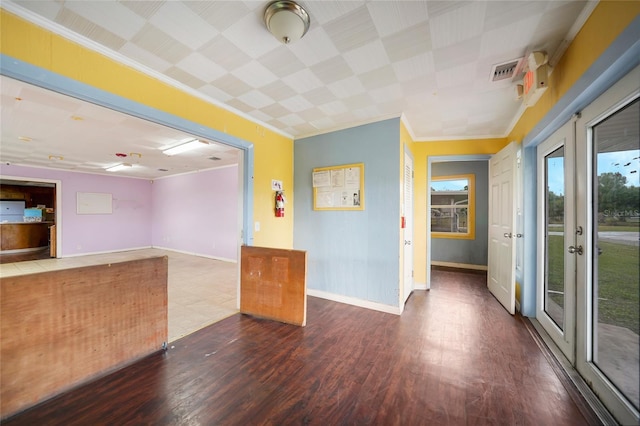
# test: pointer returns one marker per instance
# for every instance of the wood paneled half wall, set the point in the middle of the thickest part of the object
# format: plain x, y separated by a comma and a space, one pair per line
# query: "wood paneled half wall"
273, 284
66, 327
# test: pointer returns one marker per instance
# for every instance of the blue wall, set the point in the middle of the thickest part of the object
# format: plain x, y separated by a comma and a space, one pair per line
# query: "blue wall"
472, 252
352, 253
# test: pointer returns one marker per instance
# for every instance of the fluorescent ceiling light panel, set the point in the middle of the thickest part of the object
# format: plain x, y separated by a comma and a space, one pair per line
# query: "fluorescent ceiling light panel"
118, 167
188, 146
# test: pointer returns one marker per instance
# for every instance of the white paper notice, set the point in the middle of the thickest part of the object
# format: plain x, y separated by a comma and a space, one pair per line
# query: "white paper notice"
352, 177
321, 179
324, 198
337, 178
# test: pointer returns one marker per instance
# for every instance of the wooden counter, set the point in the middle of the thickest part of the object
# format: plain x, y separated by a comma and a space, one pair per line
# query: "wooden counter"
24, 235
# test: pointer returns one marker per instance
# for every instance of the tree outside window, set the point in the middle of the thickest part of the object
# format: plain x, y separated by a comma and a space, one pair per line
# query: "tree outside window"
452, 206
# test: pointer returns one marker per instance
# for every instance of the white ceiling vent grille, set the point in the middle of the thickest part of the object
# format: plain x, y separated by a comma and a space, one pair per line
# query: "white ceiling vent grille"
505, 70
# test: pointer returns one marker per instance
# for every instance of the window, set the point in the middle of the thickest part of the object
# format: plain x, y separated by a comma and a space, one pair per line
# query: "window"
453, 206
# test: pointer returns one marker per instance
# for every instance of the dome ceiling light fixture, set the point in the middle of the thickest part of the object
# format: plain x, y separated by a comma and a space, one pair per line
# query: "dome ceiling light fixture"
286, 20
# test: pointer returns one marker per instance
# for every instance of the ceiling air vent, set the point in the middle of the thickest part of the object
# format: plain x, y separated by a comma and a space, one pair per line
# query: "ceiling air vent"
215, 158
505, 70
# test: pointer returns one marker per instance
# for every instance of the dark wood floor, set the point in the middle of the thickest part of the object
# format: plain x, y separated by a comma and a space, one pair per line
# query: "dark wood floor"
455, 357
21, 257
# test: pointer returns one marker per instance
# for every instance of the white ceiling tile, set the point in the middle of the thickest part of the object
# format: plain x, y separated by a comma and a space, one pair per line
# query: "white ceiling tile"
275, 110
250, 28
281, 61
160, 44
454, 55
323, 123
121, 20
278, 90
47, 9
232, 85
224, 53
291, 120
256, 99
456, 76
302, 81
407, 43
390, 17
503, 13
144, 57
414, 67
508, 37
332, 69
296, 103
368, 57
333, 108
201, 67
345, 88
457, 25
254, 74
377, 78
181, 23
325, 11
352, 30
316, 46
384, 94
145, 9
220, 14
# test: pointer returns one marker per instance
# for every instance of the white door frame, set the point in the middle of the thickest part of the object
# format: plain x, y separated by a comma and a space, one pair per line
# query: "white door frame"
407, 238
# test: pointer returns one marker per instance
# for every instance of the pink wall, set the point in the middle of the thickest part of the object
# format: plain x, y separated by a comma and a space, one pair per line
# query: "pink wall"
197, 213
128, 227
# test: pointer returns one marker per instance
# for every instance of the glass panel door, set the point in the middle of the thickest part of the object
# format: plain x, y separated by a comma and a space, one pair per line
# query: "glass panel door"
556, 220
616, 253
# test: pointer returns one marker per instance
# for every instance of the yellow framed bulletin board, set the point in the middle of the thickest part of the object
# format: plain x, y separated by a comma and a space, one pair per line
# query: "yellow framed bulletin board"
339, 187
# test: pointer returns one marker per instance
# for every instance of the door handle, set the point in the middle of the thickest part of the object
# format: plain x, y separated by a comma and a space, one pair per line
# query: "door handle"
573, 249
407, 243
508, 235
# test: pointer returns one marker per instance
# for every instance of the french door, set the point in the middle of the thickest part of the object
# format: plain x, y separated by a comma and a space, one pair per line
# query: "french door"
588, 247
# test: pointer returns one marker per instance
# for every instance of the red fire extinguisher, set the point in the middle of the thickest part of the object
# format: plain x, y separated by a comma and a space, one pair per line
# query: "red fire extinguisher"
280, 200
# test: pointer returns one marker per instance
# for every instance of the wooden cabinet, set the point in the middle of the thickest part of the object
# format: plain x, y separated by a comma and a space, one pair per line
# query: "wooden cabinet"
21, 236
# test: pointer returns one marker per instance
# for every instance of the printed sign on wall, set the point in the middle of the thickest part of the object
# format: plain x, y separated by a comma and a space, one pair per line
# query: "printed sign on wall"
339, 187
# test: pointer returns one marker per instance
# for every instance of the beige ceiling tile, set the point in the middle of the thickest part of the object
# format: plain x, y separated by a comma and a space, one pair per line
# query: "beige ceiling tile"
302, 81
201, 67
352, 30
460, 75
184, 77
333, 108
256, 99
259, 115
120, 20
319, 95
224, 53
322, 12
90, 29
291, 120
255, 74
407, 43
145, 9
232, 85
331, 70
275, 110
220, 14
368, 57
359, 101
457, 25
437, 8
503, 13
310, 114
323, 123
251, 36
384, 94
47, 9
144, 57
377, 78
391, 17
215, 93
281, 61
160, 44
278, 90
181, 23
296, 103
458, 54
494, 42
315, 47
345, 88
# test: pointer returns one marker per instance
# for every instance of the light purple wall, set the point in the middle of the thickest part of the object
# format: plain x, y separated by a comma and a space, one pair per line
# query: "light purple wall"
197, 213
129, 226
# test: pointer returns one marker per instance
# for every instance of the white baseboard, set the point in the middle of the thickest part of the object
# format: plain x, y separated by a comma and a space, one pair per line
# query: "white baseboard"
459, 265
419, 286
91, 253
354, 301
224, 259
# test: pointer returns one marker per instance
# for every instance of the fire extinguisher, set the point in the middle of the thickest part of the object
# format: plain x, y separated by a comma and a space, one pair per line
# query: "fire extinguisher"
280, 200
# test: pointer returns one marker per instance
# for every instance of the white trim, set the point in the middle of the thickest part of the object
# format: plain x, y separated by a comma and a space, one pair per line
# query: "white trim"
420, 286
354, 301
459, 265
91, 45
106, 252
460, 138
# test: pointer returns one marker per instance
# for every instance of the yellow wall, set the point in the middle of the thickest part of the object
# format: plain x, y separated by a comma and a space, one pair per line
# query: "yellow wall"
422, 151
606, 23
273, 153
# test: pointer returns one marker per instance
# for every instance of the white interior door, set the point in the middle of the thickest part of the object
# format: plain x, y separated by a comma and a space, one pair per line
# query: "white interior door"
502, 213
408, 226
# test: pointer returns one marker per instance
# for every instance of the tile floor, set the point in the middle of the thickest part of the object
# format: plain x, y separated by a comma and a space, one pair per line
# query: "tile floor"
201, 290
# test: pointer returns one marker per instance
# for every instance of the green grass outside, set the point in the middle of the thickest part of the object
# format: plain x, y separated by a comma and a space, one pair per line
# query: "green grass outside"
618, 281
